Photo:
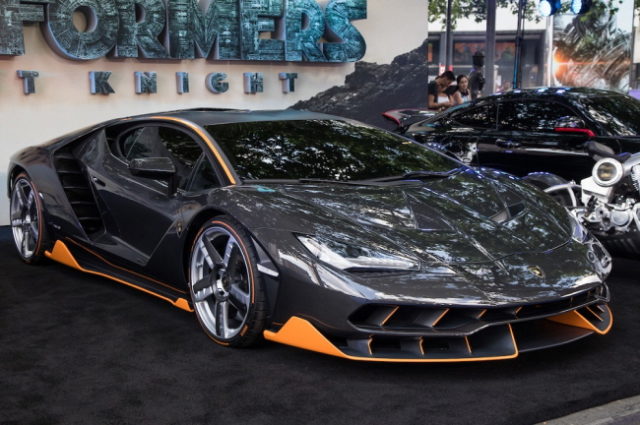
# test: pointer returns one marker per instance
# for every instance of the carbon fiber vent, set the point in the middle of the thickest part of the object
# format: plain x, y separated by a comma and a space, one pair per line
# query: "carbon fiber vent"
457, 321
76, 187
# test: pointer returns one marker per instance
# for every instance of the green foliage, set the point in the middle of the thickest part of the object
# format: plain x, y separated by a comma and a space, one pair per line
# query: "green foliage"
478, 9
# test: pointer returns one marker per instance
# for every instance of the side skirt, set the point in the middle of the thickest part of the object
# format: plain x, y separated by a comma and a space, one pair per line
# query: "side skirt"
62, 254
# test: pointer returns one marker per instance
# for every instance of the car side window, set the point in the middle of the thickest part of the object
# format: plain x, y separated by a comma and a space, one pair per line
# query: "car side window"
155, 141
535, 116
204, 177
480, 117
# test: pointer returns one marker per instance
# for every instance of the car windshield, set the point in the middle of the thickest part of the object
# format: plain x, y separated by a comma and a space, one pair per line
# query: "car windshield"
322, 149
616, 114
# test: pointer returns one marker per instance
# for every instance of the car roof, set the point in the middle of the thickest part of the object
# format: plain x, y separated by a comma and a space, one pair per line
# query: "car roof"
558, 92
215, 116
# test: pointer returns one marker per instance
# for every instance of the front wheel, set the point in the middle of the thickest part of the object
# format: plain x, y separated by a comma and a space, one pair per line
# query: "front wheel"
27, 222
564, 192
225, 285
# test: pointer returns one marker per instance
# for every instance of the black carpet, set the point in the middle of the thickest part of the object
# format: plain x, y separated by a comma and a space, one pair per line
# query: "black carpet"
78, 349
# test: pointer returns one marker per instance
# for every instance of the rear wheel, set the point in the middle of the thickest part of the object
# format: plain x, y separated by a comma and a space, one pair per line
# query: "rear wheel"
27, 222
225, 285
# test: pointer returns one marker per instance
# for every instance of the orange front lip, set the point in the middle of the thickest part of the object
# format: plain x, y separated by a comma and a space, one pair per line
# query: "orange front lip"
299, 332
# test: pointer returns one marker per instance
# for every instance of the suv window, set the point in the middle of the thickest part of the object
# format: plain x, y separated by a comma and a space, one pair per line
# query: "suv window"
155, 141
535, 116
481, 117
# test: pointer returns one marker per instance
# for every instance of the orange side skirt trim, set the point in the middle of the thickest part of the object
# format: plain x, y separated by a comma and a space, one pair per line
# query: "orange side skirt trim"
573, 318
61, 254
300, 333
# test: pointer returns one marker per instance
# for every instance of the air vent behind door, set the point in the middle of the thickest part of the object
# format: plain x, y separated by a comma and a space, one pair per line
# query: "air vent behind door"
76, 187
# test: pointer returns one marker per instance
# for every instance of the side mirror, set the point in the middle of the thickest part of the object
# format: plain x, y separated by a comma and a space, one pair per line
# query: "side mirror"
158, 168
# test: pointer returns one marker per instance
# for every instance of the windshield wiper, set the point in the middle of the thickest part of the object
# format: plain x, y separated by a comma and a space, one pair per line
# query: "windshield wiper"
417, 175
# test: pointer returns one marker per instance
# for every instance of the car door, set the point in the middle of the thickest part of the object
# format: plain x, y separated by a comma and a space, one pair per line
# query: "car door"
140, 211
461, 130
541, 135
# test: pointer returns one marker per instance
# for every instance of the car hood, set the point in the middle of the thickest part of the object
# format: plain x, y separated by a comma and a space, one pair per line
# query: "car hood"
481, 237
468, 217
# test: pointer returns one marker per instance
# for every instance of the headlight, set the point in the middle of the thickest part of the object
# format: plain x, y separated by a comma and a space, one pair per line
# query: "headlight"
350, 257
578, 232
607, 172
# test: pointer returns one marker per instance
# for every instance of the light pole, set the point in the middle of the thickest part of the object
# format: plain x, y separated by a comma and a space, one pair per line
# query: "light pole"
449, 38
490, 54
517, 60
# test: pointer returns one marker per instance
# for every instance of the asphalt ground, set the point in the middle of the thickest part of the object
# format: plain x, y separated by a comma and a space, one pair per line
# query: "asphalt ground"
79, 349
621, 412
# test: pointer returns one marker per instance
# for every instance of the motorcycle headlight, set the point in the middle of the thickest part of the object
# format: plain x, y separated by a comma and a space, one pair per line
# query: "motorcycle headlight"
607, 172
578, 232
349, 257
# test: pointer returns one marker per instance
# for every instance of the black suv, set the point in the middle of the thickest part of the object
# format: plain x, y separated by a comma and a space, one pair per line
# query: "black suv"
543, 129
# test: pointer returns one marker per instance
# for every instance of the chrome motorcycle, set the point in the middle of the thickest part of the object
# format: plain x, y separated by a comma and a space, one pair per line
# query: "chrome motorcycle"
607, 202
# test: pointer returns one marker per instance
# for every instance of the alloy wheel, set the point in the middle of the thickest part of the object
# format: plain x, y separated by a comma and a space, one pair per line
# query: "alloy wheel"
25, 218
220, 282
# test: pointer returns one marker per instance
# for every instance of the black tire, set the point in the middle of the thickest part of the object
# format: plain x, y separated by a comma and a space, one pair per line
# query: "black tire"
543, 181
27, 220
621, 245
226, 288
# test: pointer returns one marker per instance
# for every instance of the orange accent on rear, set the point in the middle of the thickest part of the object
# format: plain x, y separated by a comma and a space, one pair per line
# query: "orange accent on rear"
206, 138
61, 254
573, 318
298, 332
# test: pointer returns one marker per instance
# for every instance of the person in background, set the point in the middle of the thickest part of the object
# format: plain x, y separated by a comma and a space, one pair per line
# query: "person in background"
460, 94
437, 98
476, 79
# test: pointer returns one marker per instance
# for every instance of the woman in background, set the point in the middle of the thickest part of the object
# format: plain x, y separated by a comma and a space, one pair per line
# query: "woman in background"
460, 93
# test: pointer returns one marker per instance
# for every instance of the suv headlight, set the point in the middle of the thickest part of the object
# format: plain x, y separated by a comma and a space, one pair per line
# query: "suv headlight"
349, 257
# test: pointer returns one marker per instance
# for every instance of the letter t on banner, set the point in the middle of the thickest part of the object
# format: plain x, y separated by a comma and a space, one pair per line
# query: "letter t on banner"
28, 81
288, 81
